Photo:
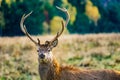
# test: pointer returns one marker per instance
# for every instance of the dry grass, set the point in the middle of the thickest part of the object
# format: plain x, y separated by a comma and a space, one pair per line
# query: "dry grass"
18, 56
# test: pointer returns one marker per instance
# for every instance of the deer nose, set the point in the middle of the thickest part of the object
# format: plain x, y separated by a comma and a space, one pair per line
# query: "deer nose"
42, 56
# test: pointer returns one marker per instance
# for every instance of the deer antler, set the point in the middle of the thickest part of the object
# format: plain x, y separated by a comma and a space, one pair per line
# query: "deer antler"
24, 30
63, 25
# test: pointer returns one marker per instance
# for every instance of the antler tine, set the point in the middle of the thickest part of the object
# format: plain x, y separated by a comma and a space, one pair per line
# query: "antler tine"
23, 27
67, 14
67, 20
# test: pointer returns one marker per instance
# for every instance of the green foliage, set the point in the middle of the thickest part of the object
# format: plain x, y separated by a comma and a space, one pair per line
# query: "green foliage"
113, 18
108, 22
2, 22
13, 13
87, 16
110, 14
82, 23
58, 2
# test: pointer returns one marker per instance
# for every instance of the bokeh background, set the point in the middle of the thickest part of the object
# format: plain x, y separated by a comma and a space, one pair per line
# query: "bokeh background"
91, 40
87, 16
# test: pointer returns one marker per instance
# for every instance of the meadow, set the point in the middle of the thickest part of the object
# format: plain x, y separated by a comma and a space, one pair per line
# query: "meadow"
18, 55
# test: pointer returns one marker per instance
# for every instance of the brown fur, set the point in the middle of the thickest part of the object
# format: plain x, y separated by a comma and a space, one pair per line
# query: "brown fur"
54, 71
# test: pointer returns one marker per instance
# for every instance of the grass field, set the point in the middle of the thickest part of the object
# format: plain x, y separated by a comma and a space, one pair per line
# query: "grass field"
18, 55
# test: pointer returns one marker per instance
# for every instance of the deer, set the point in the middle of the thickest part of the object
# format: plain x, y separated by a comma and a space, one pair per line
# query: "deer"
49, 67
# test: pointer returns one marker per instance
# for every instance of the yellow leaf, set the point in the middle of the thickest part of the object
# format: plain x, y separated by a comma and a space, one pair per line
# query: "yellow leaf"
92, 11
56, 24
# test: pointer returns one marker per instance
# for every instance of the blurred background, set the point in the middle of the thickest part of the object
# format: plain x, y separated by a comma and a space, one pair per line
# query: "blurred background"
91, 40
87, 16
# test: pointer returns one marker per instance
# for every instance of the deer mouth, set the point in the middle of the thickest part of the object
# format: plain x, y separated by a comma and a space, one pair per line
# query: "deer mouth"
43, 61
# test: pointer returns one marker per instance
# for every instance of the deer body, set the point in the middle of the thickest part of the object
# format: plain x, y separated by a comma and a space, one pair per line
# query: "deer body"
49, 68
54, 71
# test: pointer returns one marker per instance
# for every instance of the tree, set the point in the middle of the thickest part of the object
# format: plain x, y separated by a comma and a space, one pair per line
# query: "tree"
112, 18
81, 24
2, 22
110, 15
13, 13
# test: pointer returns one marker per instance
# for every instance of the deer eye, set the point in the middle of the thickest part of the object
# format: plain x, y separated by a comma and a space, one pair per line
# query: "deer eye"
49, 50
37, 50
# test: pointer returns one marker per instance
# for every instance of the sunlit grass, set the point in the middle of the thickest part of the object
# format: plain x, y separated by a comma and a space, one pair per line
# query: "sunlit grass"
18, 55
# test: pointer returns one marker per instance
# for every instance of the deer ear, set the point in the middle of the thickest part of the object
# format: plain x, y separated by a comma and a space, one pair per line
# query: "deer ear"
54, 43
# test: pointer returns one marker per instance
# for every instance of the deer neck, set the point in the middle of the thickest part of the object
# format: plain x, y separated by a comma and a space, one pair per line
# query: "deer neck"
49, 71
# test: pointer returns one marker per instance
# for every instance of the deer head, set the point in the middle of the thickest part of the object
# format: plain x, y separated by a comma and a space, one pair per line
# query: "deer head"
44, 50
